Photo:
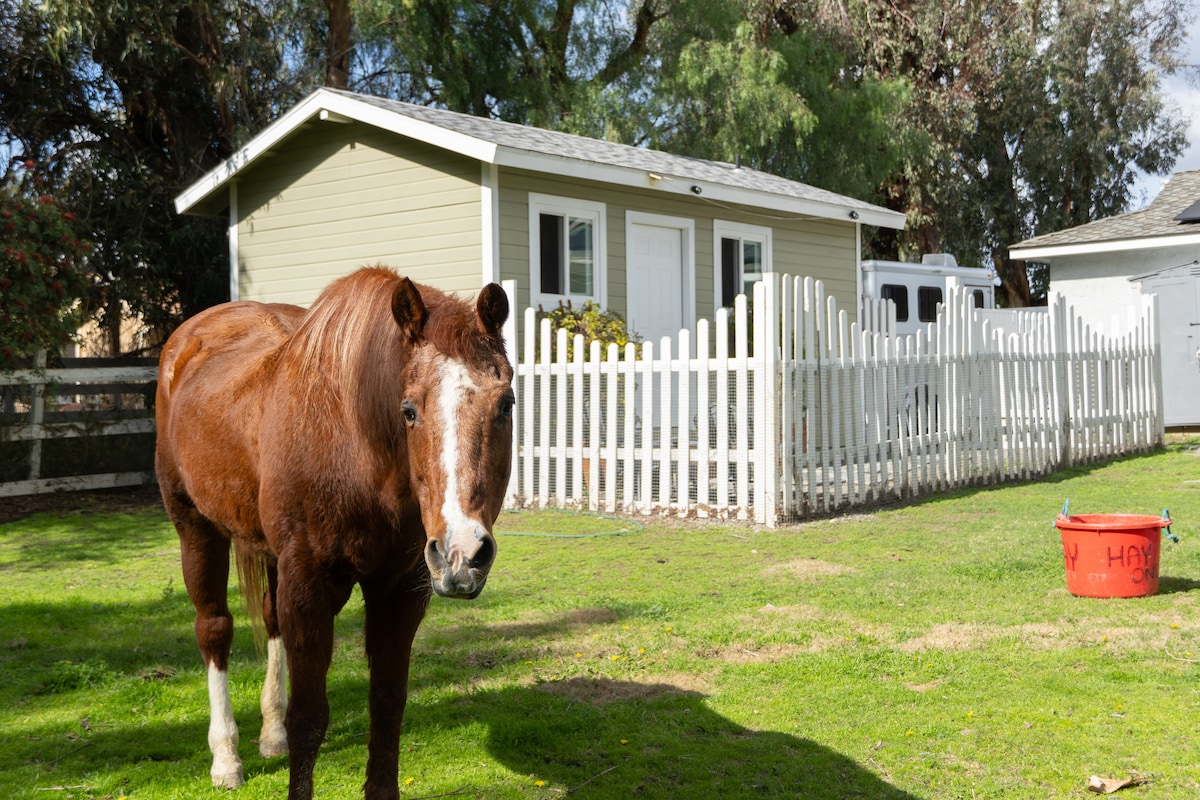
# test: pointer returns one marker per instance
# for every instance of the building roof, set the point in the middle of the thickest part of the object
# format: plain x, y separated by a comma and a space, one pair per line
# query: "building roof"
1157, 225
521, 146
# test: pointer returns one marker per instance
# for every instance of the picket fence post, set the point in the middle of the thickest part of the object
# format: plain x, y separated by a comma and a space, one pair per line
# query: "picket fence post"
797, 411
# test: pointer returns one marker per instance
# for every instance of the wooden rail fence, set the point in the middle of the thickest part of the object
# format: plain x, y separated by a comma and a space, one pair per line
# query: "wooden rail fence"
93, 407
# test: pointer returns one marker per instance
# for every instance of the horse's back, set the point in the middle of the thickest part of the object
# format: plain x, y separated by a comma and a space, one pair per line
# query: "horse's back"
213, 373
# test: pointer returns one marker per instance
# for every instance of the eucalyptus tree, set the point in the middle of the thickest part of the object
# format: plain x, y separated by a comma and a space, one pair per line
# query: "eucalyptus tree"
1036, 116
122, 104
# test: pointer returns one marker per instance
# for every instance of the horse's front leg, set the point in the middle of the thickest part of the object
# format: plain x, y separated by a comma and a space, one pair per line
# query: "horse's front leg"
305, 610
393, 614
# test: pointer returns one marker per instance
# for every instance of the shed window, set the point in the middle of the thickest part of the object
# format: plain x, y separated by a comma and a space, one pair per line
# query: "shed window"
928, 299
566, 249
899, 295
743, 253
977, 296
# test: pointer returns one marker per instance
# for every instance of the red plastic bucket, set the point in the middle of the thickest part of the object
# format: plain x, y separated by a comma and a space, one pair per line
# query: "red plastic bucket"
1111, 555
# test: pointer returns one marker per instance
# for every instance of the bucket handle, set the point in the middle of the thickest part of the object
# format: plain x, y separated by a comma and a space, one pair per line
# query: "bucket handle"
1167, 530
1065, 513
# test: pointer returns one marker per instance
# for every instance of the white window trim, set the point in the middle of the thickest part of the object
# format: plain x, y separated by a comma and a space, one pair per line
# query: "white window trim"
723, 229
551, 204
687, 227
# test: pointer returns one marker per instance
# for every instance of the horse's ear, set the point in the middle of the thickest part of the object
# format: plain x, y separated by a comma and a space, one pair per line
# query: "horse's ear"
408, 309
492, 308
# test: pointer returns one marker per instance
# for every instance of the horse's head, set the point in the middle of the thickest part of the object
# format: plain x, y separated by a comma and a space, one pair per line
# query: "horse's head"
457, 412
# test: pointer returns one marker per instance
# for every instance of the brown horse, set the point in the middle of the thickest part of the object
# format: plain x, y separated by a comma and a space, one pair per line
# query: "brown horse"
364, 441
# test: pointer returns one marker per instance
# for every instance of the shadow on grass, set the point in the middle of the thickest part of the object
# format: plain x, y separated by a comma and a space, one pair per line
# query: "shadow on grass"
57, 542
602, 738
1055, 477
1168, 584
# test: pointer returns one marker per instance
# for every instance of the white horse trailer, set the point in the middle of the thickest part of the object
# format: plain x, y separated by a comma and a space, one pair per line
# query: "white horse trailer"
918, 289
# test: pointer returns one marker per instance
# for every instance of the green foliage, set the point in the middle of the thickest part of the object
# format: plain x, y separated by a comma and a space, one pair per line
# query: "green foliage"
124, 104
43, 274
1036, 117
592, 322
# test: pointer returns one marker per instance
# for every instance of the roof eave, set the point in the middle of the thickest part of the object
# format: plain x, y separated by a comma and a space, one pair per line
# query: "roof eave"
204, 196
1039, 252
333, 107
697, 189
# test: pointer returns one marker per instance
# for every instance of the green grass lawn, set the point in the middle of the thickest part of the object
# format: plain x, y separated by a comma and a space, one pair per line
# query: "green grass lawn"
923, 652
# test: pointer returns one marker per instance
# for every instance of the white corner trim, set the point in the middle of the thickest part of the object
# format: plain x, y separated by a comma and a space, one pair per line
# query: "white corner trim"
489, 221
233, 241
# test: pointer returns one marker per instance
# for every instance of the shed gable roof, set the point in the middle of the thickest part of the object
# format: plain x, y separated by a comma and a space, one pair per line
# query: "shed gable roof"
1157, 225
521, 146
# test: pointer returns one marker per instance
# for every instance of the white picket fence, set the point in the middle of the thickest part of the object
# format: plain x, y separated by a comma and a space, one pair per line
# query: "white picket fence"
793, 411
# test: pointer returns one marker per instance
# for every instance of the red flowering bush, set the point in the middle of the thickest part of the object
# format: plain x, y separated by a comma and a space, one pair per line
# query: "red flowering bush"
43, 273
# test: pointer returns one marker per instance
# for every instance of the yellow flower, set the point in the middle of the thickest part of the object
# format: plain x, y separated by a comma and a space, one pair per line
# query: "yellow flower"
641, 652
1174, 625
668, 627
614, 658
407, 781
624, 741
909, 732
539, 783
579, 655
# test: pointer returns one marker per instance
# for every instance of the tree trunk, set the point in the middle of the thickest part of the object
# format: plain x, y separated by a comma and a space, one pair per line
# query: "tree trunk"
337, 47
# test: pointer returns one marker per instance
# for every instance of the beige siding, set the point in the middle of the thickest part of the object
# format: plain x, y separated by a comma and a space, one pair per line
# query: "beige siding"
823, 249
341, 196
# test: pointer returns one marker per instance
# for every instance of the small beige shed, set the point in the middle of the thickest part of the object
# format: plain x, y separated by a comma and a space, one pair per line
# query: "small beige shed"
344, 179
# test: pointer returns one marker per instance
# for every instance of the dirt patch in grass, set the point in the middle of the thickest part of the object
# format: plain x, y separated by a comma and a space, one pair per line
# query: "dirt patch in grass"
602, 691
1155, 632
760, 654
807, 568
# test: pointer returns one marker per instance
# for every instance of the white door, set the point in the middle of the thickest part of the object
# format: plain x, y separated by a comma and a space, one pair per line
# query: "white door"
1179, 332
657, 261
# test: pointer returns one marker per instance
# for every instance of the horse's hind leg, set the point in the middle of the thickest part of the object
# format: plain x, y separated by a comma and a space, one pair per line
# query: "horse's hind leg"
205, 557
273, 739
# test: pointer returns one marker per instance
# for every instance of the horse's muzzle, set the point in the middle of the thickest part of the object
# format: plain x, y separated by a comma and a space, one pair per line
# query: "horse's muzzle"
460, 572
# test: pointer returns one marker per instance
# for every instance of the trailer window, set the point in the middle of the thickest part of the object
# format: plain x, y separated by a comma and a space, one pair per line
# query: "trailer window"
899, 295
977, 296
928, 298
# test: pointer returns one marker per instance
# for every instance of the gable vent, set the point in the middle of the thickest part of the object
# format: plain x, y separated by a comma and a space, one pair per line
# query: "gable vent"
1190, 214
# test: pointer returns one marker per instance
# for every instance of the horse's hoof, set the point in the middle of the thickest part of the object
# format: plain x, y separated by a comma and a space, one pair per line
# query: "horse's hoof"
230, 780
268, 748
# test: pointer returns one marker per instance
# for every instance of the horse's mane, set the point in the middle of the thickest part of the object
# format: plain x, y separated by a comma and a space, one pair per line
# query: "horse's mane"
350, 345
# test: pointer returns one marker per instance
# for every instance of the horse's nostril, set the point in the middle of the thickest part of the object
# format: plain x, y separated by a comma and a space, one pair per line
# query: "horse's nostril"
435, 556
485, 555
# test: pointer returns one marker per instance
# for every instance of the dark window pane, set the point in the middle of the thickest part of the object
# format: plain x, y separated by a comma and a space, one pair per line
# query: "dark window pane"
731, 269
928, 298
551, 244
977, 296
898, 295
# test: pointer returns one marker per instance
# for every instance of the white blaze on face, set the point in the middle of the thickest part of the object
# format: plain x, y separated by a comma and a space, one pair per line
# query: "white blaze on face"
456, 384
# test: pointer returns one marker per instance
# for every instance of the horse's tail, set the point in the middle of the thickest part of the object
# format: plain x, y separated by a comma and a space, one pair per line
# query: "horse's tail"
252, 582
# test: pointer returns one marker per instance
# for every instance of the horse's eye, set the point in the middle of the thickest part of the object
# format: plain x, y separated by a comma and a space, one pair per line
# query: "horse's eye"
409, 410
506, 406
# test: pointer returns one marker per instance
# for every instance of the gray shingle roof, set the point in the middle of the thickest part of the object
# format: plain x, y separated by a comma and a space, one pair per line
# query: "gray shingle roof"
1157, 219
553, 143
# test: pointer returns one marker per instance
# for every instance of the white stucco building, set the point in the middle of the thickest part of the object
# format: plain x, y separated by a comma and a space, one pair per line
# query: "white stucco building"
1102, 269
